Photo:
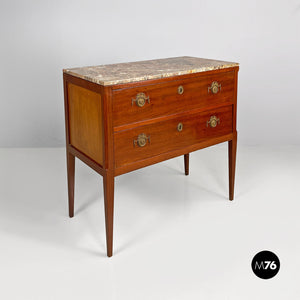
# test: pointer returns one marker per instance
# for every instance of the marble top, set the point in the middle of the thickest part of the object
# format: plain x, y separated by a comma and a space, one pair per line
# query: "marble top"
148, 69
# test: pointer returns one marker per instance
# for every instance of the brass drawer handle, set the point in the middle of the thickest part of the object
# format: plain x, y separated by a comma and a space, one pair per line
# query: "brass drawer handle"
141, 140
140, 99
214, 87
213, 122
179, 127
180, 90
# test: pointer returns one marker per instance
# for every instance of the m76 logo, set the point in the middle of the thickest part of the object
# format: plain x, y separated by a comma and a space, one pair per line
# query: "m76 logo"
264, 265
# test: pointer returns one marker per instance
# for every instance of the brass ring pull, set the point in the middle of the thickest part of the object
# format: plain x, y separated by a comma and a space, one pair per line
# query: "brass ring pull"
179, 127
214, 87
140, 99
141, 141
213, 122
180, 90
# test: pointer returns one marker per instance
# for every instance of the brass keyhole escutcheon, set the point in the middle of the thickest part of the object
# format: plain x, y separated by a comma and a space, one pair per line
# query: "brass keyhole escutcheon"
141, 141
214, 87
179, 127
213, 121
140, 99
180, 90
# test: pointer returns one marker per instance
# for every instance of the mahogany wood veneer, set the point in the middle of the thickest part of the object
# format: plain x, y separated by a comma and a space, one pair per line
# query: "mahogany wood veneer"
123, 117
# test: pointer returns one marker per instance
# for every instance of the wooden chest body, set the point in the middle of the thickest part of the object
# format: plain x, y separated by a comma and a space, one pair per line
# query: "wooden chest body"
128, 124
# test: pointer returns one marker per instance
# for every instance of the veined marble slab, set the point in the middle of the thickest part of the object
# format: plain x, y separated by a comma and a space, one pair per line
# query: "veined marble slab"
148, 69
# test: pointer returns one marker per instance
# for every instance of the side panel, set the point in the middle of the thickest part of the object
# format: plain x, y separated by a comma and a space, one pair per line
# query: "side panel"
85, 121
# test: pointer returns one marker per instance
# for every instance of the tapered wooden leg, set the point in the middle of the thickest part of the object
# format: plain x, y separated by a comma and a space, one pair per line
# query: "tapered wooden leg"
186, 163
108, 187
232, 162
71, 179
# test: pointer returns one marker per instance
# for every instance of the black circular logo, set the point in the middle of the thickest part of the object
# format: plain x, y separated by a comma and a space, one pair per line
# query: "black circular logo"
265, 264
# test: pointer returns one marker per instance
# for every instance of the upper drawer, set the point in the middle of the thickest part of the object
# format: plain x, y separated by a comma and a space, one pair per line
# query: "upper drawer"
146, 102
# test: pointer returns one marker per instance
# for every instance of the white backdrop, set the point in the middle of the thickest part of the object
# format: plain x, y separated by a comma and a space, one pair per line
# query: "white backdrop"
40, 38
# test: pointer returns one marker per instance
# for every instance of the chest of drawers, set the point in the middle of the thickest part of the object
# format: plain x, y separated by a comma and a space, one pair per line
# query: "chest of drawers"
123, 117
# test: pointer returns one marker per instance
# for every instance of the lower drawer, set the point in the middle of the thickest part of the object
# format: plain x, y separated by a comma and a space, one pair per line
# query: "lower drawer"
146, 141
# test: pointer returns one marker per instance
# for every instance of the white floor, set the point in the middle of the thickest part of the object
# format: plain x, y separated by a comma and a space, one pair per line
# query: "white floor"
176, 236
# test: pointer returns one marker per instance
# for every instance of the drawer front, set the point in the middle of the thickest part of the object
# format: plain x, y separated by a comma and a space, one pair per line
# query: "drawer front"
147, 102
147, 141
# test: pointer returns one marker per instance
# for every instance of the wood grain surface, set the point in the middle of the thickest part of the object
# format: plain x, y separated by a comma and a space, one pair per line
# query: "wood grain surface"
85, 122
165, 100
164, 135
